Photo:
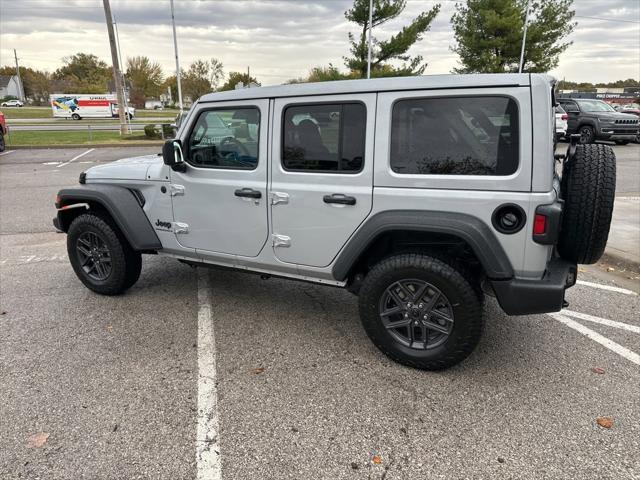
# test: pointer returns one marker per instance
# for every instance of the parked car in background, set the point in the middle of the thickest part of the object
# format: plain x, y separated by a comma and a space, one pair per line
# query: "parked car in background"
597, 120
3, 131
12, 103
561, 122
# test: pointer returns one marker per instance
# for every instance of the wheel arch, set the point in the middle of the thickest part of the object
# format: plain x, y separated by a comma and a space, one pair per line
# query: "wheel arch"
423, 230
120, 203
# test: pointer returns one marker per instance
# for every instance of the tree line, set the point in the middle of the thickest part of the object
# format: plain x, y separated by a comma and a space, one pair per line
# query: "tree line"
488, 36
86, 73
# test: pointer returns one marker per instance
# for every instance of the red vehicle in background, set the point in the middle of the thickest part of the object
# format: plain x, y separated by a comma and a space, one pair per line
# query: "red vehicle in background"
3, 131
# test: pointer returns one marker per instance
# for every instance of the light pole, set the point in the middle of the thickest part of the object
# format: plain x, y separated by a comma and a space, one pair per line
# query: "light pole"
369, 49
524, 37
175, 47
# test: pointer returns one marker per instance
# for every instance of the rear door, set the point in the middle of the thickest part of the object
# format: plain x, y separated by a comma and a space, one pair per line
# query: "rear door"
321, 174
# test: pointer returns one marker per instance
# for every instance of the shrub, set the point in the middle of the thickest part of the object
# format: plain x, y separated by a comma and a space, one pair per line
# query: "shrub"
150, 131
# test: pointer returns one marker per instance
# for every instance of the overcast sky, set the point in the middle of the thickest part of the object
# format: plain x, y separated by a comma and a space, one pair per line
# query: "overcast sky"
283, 39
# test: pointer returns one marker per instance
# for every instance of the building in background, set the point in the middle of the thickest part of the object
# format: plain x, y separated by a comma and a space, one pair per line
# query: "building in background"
10, 86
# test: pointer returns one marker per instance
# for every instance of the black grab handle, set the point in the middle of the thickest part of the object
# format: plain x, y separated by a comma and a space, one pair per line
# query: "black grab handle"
340, 199
248, 193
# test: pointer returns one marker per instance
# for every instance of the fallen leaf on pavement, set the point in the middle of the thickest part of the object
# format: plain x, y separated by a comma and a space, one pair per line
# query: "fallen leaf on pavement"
38, 439
611, 269
258, 370
605, 422
597, 370
376, 459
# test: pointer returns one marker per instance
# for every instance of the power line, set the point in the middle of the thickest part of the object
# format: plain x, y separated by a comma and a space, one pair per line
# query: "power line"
607, 19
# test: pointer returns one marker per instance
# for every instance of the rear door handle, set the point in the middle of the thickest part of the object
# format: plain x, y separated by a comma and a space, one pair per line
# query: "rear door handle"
248, 193
340, 199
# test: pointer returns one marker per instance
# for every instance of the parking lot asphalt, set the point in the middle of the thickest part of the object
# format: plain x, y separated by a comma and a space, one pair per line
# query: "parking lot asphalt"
107, 387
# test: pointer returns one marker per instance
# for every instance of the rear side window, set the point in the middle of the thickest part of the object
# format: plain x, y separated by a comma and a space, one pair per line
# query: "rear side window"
324, 138
455, 136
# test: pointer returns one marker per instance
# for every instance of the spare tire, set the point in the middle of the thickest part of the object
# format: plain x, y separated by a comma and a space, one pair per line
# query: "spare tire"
588, 189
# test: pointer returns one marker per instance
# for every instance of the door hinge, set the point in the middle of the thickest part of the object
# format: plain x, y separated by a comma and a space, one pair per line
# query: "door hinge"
176, 190
179, 227
279, 197
281, 240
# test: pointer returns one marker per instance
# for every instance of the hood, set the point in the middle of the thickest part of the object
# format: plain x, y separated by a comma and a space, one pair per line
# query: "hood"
126, 169
616, 116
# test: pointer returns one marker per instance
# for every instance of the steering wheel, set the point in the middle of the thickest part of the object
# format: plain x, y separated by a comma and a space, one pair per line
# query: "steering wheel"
225, 142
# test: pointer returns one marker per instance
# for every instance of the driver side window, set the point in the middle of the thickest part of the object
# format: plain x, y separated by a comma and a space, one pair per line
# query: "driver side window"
225, 138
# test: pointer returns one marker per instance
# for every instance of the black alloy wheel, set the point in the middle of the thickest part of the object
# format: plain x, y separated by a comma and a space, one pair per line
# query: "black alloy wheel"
94, 256
416, 314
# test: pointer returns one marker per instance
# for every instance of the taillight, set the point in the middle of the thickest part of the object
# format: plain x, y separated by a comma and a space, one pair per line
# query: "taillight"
546, 223
564, 116
539, 224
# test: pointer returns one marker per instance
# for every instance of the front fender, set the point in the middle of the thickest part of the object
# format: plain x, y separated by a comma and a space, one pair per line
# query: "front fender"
120, 202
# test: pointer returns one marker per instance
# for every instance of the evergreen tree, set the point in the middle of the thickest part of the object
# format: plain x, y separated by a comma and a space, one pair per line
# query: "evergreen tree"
395, 48
489, 34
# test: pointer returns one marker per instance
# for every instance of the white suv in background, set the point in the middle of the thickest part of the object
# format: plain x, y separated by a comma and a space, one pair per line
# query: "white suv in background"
561, 122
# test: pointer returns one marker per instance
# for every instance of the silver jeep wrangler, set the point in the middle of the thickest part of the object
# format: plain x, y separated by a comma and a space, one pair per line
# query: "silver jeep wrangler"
418, 194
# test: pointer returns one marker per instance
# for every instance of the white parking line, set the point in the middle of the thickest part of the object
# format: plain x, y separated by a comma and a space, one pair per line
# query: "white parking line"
602, 321
75, 158
6, 153
606, 287
596, 337
209, 464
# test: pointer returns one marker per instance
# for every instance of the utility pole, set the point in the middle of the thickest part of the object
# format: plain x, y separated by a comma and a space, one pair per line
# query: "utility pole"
524, 36
370, 28
124, 82
116, 67
20, 86
175, 47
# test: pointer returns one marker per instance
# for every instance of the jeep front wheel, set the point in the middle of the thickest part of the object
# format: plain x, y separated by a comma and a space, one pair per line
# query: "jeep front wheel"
100, 256
587, 134
421, 311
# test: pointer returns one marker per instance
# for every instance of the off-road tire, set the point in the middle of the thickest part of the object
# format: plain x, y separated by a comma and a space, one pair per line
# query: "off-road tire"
458, 285
126, 264
588, 190
587, 134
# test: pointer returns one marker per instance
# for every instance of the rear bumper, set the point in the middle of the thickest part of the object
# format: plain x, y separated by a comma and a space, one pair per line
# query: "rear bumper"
526, 297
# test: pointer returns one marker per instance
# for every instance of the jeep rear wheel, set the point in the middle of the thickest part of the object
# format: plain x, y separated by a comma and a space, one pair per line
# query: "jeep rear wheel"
100, 256
421, 311
588, 189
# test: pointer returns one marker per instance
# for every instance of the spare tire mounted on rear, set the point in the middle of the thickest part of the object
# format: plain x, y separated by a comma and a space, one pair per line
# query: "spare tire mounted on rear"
588, 189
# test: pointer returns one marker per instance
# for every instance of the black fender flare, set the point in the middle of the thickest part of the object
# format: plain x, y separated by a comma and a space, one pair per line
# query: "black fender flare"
476, 233
120, 203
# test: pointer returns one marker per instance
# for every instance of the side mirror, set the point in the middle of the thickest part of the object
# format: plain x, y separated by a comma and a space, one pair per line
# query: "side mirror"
172, 155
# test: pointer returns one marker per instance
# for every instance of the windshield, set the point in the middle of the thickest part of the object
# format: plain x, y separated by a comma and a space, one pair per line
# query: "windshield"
596, 106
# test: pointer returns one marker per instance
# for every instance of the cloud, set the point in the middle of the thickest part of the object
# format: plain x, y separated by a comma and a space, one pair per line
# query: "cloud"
281, 39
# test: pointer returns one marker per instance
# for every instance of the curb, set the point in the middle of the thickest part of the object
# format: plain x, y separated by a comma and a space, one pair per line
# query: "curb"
620, 262
83, 145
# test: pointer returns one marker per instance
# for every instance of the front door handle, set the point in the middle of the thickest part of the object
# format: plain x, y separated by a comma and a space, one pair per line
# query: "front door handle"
248, 193
340, 199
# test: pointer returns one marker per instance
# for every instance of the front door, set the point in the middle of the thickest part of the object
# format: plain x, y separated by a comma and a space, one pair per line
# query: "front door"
220, 201
322, 174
